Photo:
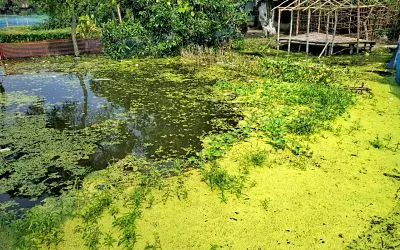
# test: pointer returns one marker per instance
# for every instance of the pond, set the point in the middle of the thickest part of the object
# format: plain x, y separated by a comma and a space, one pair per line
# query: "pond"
57, 127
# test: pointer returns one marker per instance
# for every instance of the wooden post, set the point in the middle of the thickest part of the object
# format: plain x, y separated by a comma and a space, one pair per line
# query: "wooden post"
324, 49
298, 20
319, 21
366, 30
308, 31
328, 17
290, 29
358, 26
351, 13
334, 33
279, 27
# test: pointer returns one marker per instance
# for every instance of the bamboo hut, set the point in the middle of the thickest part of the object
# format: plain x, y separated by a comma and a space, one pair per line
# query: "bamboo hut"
348, 24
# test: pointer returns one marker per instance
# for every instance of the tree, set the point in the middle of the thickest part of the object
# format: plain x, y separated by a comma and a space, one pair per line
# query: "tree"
70, 9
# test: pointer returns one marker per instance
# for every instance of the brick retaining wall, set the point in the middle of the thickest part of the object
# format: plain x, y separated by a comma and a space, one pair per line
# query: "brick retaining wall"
48, 48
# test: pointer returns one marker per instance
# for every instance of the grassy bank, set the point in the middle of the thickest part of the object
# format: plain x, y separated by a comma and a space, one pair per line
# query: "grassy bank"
312, 164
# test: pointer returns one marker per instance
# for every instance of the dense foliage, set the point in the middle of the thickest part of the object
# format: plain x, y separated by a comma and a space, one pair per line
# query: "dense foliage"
394, 31
394, 6
13, 6
161, 27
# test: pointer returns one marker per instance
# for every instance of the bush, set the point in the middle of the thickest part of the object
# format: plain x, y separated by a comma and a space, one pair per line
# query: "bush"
24, 34
162, 27
124, 40
394, 32
87, 28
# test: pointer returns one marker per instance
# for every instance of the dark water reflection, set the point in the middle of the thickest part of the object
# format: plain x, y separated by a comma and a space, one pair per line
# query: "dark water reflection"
169, 116
65, 98
159, 118
162, 118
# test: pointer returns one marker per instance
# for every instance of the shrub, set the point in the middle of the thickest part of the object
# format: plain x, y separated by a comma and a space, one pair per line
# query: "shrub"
124, 40
394, 32
24, 34
87, 28
162, 27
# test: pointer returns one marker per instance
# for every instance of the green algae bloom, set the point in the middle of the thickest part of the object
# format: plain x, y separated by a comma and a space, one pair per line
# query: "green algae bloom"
301, 169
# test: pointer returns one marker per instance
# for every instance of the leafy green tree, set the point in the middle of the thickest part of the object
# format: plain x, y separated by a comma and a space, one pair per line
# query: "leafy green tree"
161, 27
70, 9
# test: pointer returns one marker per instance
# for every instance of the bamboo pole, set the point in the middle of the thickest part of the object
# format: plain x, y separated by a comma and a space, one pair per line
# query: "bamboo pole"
308, 31
358, 26
298, 20
334, 32
319, 21
327, 29
290, 29
322, 52
350, 21
279, 27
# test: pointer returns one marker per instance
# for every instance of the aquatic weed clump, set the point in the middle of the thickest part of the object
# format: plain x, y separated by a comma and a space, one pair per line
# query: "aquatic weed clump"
40, 225
219, 179
324, 102
293, 70
121, 191
290, 98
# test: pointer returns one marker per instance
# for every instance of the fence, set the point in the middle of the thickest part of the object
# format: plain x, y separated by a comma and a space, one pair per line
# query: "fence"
48, 48
15, 20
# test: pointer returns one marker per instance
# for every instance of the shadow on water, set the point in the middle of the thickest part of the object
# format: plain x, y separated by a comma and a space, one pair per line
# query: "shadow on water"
156, 119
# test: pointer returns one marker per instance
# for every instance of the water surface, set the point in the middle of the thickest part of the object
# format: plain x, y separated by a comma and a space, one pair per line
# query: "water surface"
61, 126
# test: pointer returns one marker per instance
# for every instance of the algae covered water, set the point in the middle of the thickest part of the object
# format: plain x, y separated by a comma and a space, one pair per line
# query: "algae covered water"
57, 127
309, 148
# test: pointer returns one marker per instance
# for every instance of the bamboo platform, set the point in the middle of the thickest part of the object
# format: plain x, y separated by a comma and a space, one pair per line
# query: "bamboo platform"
321, 39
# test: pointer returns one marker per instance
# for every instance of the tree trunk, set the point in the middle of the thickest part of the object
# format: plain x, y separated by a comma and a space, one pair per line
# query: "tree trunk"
73, 34
119, 13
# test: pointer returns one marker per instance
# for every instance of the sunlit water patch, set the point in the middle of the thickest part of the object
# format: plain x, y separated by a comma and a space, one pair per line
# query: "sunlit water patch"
57, 127
65, 98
